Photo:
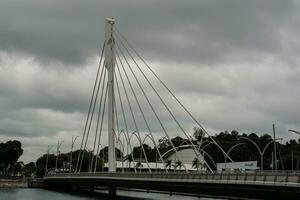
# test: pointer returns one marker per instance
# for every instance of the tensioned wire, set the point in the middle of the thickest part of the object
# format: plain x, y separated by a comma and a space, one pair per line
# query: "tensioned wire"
101, 125
146, 97
90, 106
92, 115
94, 100
143, 115
117, 32
148, 101
124, 120
136, 100
165, 105
129, 105
98, 120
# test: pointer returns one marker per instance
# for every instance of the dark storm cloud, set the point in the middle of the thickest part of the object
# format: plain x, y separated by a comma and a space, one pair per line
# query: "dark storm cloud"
195, 31
233, 63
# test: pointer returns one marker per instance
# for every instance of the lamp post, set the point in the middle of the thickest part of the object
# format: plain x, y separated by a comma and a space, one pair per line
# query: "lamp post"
157, 152
72, 145
261, 152
59, 143
121, 147
275, 151
292, 153
137, 135
230, 149
293, 131
102, 167
48, 151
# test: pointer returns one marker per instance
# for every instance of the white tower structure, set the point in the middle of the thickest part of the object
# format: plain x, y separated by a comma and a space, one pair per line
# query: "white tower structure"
110, 67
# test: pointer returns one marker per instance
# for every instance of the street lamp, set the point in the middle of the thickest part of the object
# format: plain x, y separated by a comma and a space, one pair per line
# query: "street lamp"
48, 151
59, 143
261, 152
157, 152
72, 145
102, 167
137, 135
99, 156
126, 135
231, 148
121, 147
294, 131
292, 156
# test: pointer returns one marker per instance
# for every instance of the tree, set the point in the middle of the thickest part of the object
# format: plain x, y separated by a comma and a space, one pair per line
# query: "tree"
17, 168
104, 153
130, 159
178, 164
10, 152
198, 133
196, 163
168, 164
41, 164
29, 169
139, 165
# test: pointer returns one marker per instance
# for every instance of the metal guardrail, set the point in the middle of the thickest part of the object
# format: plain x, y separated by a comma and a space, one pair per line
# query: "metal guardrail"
265, 178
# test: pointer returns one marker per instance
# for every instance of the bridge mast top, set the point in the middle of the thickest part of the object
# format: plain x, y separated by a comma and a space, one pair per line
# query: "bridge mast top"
110, 59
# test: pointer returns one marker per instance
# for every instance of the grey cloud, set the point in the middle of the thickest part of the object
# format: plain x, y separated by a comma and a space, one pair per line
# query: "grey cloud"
205, 31
232, 63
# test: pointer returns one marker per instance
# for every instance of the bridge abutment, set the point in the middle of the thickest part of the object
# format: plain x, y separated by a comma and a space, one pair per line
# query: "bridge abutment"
112, 191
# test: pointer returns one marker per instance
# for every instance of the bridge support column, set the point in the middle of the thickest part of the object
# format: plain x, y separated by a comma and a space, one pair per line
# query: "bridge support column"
91, 189
110, 66
112, 191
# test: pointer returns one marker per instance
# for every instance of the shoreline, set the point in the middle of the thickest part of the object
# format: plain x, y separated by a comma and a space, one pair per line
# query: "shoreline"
13, 182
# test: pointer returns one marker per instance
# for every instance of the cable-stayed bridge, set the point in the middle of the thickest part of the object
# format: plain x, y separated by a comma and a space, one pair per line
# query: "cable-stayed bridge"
138, 105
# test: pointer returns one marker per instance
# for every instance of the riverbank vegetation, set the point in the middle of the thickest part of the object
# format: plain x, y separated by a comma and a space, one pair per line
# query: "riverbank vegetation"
288, 153
10, 153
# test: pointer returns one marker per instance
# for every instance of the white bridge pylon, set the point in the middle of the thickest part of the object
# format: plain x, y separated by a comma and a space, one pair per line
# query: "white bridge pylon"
109, 63
122, 90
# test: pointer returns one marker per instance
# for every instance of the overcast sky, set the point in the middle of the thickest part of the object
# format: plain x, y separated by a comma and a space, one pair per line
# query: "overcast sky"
233, 63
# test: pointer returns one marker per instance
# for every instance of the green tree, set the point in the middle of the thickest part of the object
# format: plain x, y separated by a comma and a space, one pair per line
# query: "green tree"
139, 165
130, 159
29, 169
168, 164
196, 163
10, 152
41, 164
178, 164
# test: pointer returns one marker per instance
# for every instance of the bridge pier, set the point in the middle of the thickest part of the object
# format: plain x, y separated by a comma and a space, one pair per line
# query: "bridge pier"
91, 189
112, 191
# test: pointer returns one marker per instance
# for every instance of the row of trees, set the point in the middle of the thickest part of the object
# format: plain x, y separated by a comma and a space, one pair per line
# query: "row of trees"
62, 163
226, 140
10, 152
288, 154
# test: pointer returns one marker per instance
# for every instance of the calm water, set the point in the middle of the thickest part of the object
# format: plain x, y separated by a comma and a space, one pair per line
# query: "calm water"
39, 194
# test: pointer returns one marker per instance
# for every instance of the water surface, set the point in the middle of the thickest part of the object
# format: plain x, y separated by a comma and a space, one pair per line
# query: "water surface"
40, 194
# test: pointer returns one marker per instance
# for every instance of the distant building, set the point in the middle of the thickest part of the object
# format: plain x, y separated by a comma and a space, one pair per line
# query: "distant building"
140, 166
184, 154
238, 166
187, 155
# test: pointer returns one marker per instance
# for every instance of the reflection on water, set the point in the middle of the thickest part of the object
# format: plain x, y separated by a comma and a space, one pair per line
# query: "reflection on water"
40, 194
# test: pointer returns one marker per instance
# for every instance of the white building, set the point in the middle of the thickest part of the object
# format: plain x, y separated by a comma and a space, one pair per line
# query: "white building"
238, 166
185, 154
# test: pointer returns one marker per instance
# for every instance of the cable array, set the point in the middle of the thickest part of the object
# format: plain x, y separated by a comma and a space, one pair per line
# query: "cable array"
136, 113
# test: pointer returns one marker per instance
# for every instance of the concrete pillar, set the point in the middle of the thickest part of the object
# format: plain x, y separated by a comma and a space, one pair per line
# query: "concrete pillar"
112, 191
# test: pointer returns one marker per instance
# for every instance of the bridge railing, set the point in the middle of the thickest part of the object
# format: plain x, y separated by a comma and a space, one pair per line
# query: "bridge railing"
280, 178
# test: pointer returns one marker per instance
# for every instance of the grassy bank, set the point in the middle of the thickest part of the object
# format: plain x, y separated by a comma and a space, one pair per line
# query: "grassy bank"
12, 182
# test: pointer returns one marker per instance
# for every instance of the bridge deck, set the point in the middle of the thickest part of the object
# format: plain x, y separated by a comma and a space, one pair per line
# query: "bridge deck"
225, 184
